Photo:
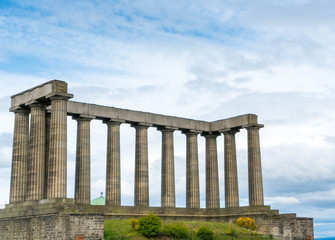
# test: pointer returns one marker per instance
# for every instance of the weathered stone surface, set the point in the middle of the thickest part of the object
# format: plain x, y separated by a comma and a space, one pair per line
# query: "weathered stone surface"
83, 162
47, 155
36, 164
141, 192
230, 169
125, 115
192, 170
256, 196
39, 92
113, 170
53, 226
212, 172
57, 169
18, 188
234, 122
168, 184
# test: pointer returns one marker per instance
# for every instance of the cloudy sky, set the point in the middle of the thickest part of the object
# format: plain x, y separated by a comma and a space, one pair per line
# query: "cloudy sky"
205, 60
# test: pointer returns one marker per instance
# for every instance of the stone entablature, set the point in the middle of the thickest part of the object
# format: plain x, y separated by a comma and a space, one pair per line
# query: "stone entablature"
44, 92
40, 92
158, 120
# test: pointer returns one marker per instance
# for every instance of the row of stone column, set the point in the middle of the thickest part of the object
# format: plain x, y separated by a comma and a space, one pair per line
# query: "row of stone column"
39, 161
39, 156
141, 191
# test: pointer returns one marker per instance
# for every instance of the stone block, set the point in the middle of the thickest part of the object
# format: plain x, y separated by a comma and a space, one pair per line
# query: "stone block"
158, 119
38, 92
96, 110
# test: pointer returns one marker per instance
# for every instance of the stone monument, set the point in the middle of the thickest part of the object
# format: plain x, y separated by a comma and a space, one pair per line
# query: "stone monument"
38, 207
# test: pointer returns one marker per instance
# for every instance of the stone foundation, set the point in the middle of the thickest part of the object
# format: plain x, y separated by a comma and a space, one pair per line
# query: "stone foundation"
54, 226
285, 226
49, 221
62, 219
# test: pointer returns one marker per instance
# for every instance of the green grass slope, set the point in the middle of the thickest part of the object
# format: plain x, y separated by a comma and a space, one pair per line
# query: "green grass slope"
121, 229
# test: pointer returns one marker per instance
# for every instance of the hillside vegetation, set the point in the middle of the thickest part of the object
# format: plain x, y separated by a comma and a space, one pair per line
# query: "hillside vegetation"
122, 229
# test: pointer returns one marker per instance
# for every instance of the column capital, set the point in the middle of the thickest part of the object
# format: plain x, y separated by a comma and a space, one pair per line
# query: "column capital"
83, 117
190, 132
167, 129
59, 96
141, 125
230, 131
37, 103
253, 126
210, 134
20, 109
113, 121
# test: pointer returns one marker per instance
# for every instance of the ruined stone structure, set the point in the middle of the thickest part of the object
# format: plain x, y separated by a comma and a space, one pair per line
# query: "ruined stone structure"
38, 177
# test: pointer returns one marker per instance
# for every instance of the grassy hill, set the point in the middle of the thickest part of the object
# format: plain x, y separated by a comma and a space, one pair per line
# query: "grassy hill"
121, 229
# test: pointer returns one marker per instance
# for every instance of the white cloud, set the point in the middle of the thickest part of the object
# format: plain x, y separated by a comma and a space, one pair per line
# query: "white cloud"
281, 200
195, 59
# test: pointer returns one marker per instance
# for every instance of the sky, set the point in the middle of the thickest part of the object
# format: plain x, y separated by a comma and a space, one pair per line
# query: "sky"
204, 60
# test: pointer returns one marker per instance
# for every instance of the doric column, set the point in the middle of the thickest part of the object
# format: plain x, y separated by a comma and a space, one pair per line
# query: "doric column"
254, 167
18, 184
168, 182
83, 157
47, 147
141, 166
230, 169
212, 174
192, 170
113, 176
58, 146
36, 164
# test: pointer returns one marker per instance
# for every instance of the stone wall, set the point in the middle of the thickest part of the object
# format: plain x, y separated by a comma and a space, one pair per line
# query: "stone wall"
54, 226
285, 226
291, 228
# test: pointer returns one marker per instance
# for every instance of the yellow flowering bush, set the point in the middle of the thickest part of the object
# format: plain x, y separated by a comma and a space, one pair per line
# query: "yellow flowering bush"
246, 222
134, 223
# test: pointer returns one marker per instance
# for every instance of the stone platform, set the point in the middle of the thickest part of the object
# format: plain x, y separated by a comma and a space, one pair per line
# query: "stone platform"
51, 219
62, 219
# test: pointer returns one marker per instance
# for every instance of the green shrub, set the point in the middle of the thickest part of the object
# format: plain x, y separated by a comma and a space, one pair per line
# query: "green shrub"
149, 225
231, 232
176, 230
246, 222
205, 233
107, 236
